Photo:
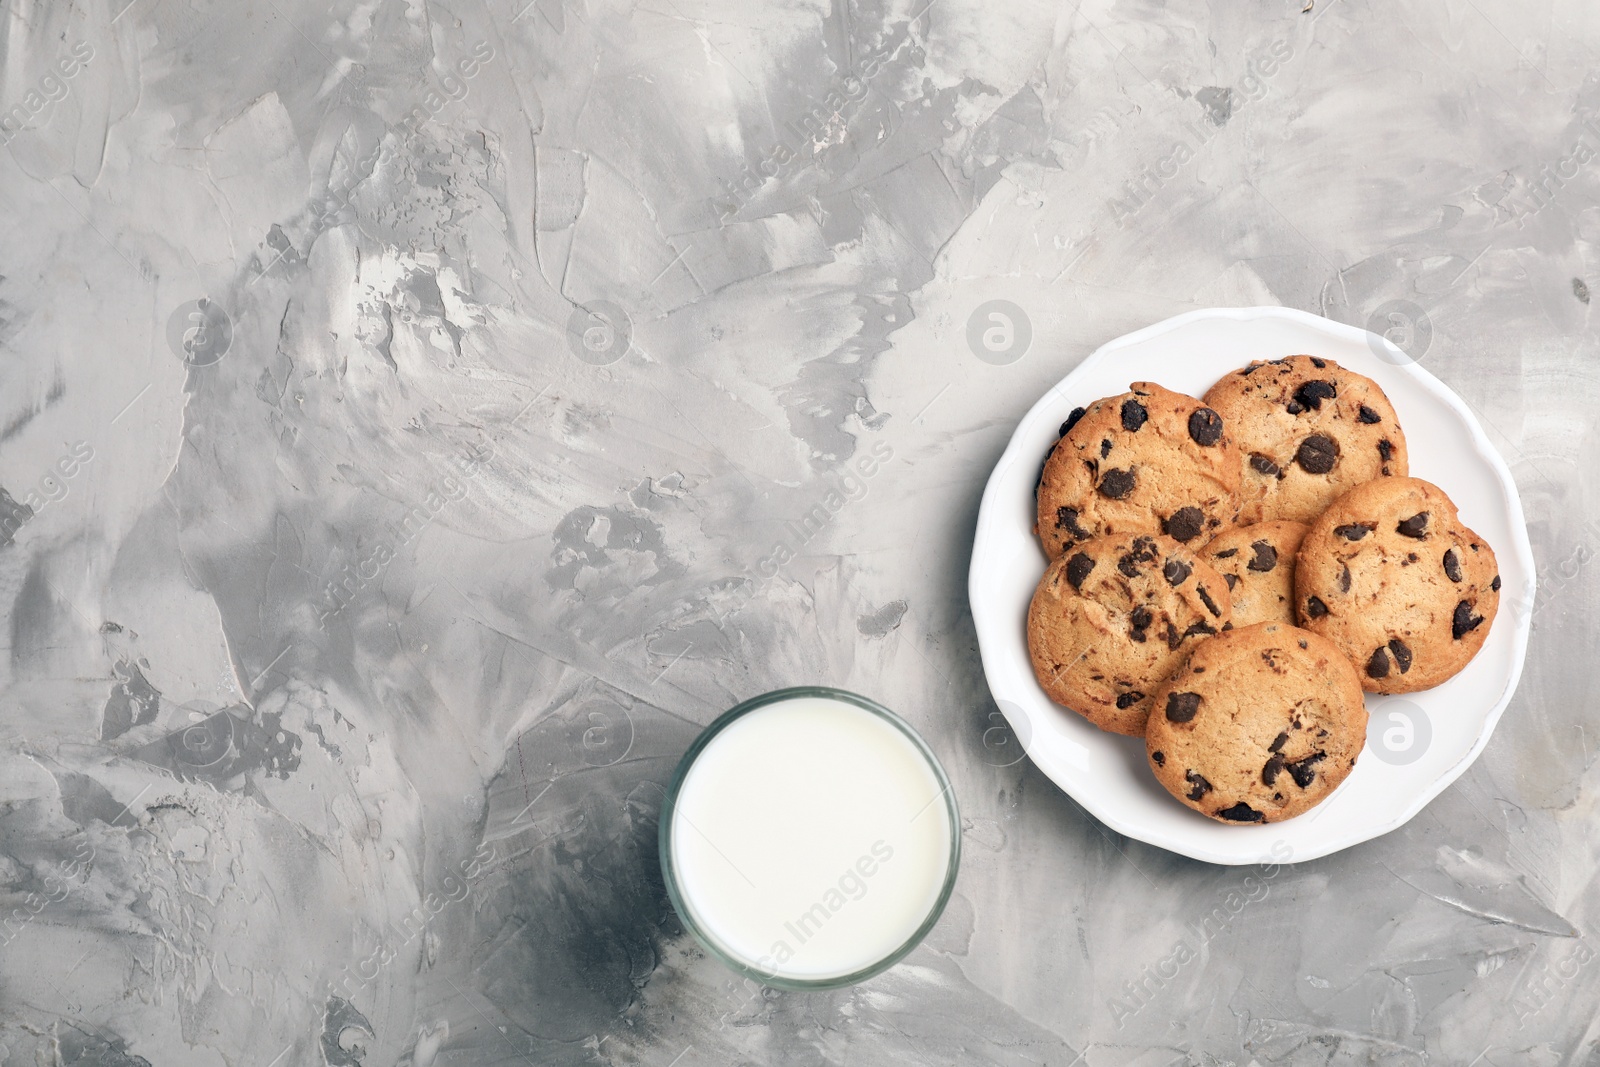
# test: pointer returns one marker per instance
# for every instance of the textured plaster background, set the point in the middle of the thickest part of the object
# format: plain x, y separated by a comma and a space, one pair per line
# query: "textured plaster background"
410, 411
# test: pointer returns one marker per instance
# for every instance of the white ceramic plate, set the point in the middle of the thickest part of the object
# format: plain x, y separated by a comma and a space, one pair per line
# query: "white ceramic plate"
1417, 743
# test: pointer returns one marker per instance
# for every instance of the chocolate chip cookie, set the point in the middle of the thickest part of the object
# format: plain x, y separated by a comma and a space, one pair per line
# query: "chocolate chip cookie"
1257, 562
1390, 575
1307, 431
1145, 462
1115, 616
1260, 724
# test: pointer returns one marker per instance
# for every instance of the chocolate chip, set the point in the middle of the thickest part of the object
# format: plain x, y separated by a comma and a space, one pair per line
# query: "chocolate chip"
1463, 621
1317, 454
1133, 415
1344, 578
1205, 598
1385, 450
1495, 585
1072, 420
1241, 812
1269, 772
1266, 557
1294, 407
1158, 758
1263, 464
1227, 553
1127, 700
1416, 526
1402, 654
1143, 551
1116, 484
1227, 626
1182, 707
1185, 524
1172, 637
1176, 572
1315, 608
1355, 531
1304, 645
1312, 394
1105, 448
1141, 619
1301, 771
1078, 568
1318, 363
1205, 426
1198, 786
1368, 416
1378, 665
1201, 627
1232, 580
1067, 519
1452, 565
1278, 742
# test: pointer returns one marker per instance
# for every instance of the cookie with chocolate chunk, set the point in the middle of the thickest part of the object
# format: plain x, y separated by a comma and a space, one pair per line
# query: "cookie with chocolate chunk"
1257, 562
1390, 575
1308, 430
1258, 725
1145, 462
1113, 617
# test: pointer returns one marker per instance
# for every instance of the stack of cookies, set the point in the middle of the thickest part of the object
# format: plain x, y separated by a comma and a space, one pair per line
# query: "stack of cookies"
1228, 575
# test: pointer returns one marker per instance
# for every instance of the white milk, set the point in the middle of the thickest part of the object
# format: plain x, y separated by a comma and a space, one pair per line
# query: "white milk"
810, 838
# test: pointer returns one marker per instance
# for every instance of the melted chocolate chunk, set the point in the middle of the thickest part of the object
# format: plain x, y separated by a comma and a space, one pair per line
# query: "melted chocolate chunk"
1452, 566
1301, 771
1198, 786
1185, 524
1232, 580
1158, 758
1317, 454
1495, 585
1171, 636
1385, 450
1133, 415
1143, 551
1241, 812
1269, 772
1318, 363
1263, 464
1182, 707
1072, 420
1368, 416
1205, 426
1205, 598
1227, 553
1315, 608
1402, 654
1378, 664
1294, 407
1128, 699
1313, 393
1355, 531
1067, 519
1266, 557
1416, 526
1117, 484
1278, 742
1176, 572
1105, 448
1201, 627
1078, 568
1141, 619
1463, 621
1344, 578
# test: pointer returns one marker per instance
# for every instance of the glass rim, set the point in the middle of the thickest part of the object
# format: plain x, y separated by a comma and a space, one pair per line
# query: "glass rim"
669, 808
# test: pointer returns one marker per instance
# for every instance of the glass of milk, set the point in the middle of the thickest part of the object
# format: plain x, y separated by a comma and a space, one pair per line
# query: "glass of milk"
809, 838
